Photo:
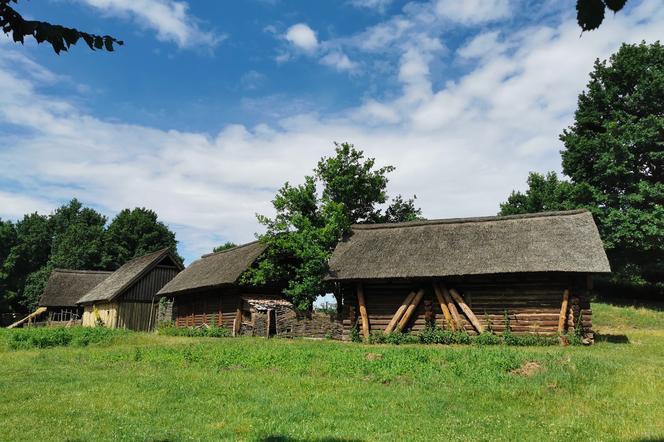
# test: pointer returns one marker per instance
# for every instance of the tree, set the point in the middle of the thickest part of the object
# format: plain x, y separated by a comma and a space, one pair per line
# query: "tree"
59, 37
134, 233
308, 225
614, 157
545, 193
225, 246
590, 13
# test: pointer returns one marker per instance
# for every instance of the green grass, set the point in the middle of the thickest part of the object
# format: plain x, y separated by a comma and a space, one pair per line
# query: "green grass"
149, 387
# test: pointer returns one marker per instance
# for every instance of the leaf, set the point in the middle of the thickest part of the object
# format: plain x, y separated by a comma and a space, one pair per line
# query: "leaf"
589, 14
615, 5
108, 43
99, 42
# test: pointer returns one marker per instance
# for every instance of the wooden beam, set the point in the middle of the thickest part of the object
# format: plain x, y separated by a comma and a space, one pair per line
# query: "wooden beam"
443, 305
563, 312
237, 322
28, 318
363, 310
450, 305
469, 313
402, 308
410, 309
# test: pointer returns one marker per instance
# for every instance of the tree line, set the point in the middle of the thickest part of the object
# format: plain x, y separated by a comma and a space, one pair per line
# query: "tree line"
72, 237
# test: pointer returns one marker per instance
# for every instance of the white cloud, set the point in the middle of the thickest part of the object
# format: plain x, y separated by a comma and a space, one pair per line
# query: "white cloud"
377, 5
483, 45
338, 60
473, 11
302, 36
461, 146
170, 18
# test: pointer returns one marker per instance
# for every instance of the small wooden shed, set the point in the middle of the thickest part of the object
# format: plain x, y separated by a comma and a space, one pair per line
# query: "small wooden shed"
529, 272
63, 290
209, 292
126, 299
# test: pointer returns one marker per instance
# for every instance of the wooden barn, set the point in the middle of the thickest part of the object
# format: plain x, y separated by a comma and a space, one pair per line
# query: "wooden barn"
126, 298
531, 273
63, 290
209, 292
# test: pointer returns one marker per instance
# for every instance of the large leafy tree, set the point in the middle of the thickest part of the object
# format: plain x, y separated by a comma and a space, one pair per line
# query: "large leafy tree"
225, 246
134, 233
614, 158
59, 37
308, 224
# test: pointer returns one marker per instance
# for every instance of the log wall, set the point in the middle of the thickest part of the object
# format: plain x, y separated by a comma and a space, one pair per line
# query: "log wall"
532, 302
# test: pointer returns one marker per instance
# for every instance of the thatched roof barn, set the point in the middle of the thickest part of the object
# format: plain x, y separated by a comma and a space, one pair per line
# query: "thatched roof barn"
125, 299
524, 264
210, 292
63, 290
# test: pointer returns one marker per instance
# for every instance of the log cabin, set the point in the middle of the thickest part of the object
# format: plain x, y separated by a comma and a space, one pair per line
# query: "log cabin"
209, 292
126, 298
531, 273
63, 290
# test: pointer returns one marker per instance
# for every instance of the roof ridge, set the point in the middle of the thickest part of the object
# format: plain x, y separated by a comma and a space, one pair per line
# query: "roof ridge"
81, 271
478, 219
231, 249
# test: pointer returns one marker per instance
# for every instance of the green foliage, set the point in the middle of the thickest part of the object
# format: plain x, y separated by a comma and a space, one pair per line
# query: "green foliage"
590, 13
168, 329
134, 233
395, 338
225, 246
614, 157
435, 335
355, 335
45, 337
307, 226
59, 37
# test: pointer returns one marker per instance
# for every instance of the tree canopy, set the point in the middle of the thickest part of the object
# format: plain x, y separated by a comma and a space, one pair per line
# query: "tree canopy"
225, 246
74, 237
308, 224
59, 37
614, 158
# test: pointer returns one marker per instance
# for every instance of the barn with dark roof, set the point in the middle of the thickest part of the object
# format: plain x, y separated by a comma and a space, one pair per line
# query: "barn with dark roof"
63, 290
126, 298
531, 273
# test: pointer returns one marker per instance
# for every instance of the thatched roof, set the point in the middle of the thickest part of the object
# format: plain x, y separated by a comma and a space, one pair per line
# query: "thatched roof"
126, 276
65, 287
215, 269
544, 242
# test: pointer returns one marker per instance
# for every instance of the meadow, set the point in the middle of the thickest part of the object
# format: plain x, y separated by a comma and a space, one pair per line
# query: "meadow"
139, 386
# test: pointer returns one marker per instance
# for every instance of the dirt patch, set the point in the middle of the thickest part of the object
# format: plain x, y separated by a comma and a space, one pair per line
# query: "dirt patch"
529, 368
374, 356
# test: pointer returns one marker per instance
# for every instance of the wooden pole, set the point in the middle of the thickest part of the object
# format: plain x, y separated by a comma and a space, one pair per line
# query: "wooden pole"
450, 305
363, 310
410, 309
469, 313
443, 305
563, 312
402, 308
237, 322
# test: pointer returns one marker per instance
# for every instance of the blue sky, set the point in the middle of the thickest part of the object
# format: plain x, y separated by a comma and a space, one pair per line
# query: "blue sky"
210, 106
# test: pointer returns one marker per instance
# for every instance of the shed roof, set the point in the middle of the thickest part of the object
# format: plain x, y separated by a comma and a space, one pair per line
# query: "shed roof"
544, 242
215, 269
126, 276
65, 287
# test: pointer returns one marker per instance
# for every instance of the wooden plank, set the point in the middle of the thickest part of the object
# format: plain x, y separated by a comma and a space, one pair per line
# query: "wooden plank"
450, 305
363, 310
563, 312
410, 309
469, 313
28, 318
399, 313
443, 306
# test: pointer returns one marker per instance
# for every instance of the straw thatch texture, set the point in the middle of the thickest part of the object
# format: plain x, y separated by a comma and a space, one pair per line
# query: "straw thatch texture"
65, 287
545, 242
215, 269
125, 276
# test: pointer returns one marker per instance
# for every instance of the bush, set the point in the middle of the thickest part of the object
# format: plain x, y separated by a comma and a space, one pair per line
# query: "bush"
45, 337
168, 329
435, 335
487, 339
529, 340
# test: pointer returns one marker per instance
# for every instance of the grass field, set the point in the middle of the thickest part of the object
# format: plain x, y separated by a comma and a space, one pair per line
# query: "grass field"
147, 387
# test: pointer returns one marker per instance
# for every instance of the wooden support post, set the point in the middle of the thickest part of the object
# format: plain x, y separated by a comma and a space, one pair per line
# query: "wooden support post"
363, 310
268, 324
452, 308
410, 309
237, 322
563, 312
402, 308
443, 306
469, 313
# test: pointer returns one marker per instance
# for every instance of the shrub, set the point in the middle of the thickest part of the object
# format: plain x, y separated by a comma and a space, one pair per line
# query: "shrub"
168, 329
487, 339
45, 337
435, 335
